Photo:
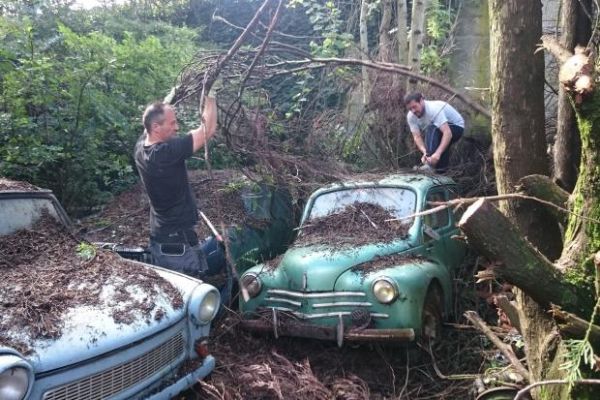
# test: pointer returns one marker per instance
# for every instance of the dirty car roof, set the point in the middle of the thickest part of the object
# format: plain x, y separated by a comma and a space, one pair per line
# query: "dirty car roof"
415, 180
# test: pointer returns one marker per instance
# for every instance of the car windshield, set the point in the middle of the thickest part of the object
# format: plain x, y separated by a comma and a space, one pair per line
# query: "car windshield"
397, 201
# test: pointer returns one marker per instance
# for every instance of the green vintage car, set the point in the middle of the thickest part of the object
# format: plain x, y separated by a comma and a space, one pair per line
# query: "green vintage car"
382, 282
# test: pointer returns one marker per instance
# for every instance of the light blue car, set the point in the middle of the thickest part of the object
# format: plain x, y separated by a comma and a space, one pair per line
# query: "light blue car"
95, 357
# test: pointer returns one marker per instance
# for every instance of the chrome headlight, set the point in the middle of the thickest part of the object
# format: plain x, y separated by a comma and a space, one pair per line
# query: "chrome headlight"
385, 290
16, 377
252, 283
209, 306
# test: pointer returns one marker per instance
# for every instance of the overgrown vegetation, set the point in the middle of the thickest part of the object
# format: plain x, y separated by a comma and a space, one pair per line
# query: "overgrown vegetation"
73, 84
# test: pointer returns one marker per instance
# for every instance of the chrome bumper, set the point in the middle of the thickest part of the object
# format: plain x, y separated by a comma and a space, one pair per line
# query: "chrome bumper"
290, 327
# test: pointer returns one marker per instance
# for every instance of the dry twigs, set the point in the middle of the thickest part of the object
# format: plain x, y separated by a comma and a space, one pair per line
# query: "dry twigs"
505, 349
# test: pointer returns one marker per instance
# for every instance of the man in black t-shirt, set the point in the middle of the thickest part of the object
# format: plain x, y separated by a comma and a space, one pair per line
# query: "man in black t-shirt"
160, 159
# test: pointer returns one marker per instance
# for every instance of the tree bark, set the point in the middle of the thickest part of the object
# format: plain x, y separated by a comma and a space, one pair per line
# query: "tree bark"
575, 327
544, 188
517, 94
364, 49
417, 35
575, 28
519, 146
385, 43
401, 34
495, 237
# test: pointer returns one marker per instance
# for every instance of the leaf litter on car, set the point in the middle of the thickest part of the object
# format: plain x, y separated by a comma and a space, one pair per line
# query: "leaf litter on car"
45, 275
356, 225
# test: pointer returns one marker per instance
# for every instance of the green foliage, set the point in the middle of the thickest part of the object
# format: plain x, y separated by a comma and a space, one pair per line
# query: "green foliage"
86, 251
436, 51
72, 97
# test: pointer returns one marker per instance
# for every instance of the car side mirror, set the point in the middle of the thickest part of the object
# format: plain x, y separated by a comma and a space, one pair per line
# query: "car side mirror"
428, 230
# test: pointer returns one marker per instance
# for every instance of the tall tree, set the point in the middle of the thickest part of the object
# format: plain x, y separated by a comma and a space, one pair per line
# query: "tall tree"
401, 34
575, 29
519, 139
364, 47
417, 33
518, 110
385, 25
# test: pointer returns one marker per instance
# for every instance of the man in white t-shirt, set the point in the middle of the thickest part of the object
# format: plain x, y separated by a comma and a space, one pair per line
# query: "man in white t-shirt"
435, 125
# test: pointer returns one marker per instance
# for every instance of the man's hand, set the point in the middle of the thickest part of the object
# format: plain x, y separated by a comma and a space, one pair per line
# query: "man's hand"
433, 159
217, 86
424, 158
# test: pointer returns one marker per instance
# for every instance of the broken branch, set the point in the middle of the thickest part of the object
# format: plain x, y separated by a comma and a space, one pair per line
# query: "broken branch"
504, 348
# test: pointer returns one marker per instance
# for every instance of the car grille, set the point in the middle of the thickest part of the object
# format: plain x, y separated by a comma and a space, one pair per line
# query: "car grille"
320, 304
113, 381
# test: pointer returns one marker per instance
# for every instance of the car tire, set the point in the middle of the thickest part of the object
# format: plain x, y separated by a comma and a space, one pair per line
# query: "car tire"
431, 316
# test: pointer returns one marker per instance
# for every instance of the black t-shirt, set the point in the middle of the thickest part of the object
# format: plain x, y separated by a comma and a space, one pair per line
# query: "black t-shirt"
164, 175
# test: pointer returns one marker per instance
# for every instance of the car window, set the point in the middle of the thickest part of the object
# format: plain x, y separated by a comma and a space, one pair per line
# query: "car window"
440, 218
399, 202
20, 213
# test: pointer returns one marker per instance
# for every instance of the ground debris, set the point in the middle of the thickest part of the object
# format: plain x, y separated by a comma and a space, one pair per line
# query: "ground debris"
126, 218
357, 224
260, 367
43, 277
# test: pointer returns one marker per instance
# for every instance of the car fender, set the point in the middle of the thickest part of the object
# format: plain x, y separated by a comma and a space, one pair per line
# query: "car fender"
412, 280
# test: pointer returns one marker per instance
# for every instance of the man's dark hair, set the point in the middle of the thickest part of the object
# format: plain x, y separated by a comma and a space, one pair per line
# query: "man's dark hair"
154, 113
415, 96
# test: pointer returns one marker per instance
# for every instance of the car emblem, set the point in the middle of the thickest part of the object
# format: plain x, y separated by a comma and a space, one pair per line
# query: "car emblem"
304, 281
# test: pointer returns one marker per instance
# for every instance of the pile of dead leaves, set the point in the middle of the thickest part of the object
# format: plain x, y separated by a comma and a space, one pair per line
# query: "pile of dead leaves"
10, 185
357, 224
261, 367
126, 218
45, 273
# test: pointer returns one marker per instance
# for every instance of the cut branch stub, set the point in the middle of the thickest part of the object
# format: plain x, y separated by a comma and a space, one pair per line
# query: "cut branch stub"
544, 188
495, 237
575, 327
576, 70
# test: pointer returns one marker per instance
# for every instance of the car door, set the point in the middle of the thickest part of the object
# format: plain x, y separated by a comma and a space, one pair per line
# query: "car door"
437, 227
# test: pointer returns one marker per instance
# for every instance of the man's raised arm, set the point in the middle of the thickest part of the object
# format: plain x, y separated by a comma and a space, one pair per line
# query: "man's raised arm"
209, 127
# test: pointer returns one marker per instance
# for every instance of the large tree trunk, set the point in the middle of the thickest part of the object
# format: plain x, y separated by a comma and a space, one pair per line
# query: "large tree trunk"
575, 28
401, 34
364, 49
417, 35
385, 41
519, 148
517, 91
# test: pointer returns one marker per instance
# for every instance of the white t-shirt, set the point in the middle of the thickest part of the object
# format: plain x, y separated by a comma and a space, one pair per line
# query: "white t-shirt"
437, 113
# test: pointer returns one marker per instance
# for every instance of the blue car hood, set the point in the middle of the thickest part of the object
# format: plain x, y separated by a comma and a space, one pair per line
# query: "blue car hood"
322, 265
91, 331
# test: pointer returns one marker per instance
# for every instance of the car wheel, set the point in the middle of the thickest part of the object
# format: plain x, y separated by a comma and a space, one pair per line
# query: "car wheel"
431, 319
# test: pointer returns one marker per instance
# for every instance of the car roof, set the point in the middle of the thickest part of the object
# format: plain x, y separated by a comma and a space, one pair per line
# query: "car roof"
418, 181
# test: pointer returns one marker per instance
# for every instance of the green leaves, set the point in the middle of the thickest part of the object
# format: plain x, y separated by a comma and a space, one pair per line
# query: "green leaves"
72, 97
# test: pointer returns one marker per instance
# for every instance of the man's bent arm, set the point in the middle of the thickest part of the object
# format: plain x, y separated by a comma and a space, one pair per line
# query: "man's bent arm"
209, 127
419, 142
446, 138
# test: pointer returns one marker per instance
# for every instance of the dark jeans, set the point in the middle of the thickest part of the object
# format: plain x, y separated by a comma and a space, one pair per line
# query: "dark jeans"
179, 252
433, 138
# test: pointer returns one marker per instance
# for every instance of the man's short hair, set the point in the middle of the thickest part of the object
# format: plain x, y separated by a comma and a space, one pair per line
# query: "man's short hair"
154, 113
415, 96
